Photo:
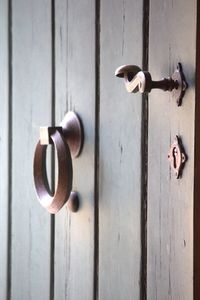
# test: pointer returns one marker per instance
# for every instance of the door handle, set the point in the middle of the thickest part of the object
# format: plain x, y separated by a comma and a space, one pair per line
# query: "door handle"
68, 142
137, 80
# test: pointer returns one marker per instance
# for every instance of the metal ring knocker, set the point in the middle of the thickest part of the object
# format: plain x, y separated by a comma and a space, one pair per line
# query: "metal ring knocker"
68, 141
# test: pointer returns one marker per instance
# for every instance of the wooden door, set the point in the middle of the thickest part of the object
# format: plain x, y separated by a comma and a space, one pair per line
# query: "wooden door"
135, 235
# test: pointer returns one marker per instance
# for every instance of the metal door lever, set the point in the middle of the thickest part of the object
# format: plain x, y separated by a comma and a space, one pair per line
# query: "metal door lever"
138, 80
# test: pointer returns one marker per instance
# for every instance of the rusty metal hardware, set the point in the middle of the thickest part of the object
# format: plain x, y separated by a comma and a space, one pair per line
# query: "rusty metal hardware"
177, 157
68, 141
137, 80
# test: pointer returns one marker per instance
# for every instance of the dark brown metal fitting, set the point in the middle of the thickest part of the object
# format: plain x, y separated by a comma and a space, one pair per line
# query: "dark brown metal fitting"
68, 141
73, 202
73, 132
179, 92
177, 157
137, 80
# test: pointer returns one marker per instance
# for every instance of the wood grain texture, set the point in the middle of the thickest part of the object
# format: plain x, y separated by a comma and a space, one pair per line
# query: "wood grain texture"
120, 154
31, 109
197, 168
170, 201
75, 90
4, 146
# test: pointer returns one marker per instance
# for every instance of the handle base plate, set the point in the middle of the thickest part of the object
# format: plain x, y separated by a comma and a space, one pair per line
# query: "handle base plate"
179, 92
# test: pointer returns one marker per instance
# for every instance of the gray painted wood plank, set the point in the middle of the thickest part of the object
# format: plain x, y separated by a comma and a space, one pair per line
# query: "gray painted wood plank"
170, 201
31, 109
120, 154
75, 90
197, 168
4, 148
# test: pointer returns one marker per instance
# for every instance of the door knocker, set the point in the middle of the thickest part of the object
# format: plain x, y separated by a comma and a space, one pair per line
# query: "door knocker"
68, 141
137, 80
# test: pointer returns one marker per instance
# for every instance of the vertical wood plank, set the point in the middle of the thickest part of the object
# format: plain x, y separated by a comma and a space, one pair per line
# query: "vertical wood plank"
120, 154
31, 108
4, 146
75, 90
197, 168
170, 201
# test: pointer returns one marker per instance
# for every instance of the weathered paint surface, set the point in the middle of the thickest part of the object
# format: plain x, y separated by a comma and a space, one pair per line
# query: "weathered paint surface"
170, 201
75, 90
61, 55
120, 154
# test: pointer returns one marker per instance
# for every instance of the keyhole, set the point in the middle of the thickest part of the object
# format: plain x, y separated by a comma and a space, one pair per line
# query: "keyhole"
177, 157
174, 153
